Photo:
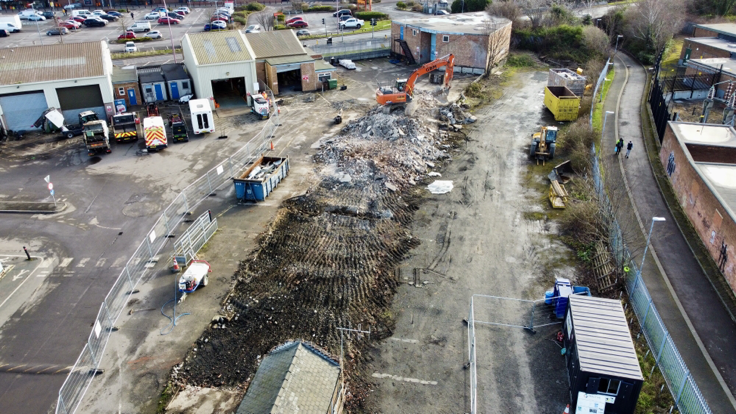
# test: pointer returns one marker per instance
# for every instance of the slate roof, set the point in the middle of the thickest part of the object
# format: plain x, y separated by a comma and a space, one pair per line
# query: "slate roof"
293, 378
275, 43
603, 338
174, 71
51, 62
153, 77
218, 47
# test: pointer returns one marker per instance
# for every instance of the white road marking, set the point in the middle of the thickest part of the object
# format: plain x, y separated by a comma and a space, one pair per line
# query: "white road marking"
46, 262
119, 262
100, 262
405, 379
411, 341
66, 261
42, 274
20, 275
83, 262
19, 285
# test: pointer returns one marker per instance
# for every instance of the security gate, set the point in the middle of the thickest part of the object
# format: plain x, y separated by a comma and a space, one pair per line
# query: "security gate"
23, 109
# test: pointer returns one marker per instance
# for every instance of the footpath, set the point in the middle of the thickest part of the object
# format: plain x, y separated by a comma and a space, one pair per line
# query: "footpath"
697, 320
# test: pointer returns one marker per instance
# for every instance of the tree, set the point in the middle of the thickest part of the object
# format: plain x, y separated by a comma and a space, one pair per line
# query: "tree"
507, 9
265, 19
716, 7
462, 6
596, 41
654, 22
534, 10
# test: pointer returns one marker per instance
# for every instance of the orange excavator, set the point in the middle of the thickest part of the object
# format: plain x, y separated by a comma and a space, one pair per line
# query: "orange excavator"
401, 92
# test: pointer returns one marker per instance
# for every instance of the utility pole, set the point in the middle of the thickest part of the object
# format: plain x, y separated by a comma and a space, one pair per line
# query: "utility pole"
171, 35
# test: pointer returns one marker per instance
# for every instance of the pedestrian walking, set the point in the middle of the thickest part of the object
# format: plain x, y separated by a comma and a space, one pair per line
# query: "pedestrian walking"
132, 16
619, 146
629, 146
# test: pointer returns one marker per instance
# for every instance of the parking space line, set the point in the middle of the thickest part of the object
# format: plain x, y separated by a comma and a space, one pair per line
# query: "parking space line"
66, 261
119, 262
100, 262
83, 262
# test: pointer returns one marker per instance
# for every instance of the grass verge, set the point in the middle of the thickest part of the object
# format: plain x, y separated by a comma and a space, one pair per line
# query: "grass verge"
669, 61
598, 112
124, 55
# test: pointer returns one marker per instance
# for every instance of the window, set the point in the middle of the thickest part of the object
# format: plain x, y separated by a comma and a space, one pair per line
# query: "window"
324, 76
199, 121
148, 89
121, 91
206, 120
608, 386
445, 38
413, 32
185, 84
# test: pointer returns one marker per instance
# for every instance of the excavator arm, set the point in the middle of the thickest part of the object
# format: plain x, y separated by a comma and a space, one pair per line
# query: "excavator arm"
448, 61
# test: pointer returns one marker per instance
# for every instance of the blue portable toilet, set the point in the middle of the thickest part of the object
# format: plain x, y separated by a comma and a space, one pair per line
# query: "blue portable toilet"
153, 87
177, 80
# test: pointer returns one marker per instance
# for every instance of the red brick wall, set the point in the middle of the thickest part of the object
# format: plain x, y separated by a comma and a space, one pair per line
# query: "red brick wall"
309, 77
701, 51
699, 32
705, 212
126, 86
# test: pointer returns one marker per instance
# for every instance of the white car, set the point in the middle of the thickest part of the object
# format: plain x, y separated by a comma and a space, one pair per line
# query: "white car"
155, 35
254, 28
130, 47
195, 276
184, 9
36, 18
352, 23
152, 16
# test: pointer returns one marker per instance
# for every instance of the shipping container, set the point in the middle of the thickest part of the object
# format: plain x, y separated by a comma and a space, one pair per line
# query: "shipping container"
563, 104
260, 178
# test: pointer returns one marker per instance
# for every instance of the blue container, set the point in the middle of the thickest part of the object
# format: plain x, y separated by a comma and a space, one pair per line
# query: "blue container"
548, 295
266, 174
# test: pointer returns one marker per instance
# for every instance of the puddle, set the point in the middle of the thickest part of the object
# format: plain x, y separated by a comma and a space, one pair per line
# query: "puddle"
94, 160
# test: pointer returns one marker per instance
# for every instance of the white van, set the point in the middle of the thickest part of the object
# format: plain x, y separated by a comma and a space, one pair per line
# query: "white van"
202, 121
28, 12
9, 27
140, 27
81, 12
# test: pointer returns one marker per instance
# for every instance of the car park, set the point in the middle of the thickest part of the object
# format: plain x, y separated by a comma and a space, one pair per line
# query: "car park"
154, 35
254, 28
127, 35
216, 25
94, 22
153, 16
342, 12
58, 31
168, 20
302, 32
130, 47
298, 24
36, 18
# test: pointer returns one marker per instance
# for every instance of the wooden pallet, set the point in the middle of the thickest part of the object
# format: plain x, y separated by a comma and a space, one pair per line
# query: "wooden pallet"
557, 194
603, 268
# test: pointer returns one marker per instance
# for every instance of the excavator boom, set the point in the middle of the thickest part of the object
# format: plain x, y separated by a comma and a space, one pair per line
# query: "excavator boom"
403, 95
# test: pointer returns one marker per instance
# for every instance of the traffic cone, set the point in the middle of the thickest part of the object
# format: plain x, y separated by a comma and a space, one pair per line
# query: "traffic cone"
271, 145
567, 409
175, 268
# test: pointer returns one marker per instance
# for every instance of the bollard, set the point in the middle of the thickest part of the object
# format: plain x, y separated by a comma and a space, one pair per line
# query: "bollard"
28, 255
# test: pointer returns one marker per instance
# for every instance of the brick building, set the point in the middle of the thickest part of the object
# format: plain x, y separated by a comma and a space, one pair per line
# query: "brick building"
700, 160
125, 86
474, 39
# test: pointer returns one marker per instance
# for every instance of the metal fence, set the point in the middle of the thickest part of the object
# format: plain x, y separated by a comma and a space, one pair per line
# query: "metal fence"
598, 84
363, 49
195, 237
146, 257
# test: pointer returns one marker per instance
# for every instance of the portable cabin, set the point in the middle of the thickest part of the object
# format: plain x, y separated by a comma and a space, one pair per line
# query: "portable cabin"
153, 87
600, 355
201, 114
177, 79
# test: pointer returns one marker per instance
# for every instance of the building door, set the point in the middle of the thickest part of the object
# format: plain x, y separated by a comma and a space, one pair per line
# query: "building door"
174, 90
401, 33
78, 99
22, 110
131, 97
159, 92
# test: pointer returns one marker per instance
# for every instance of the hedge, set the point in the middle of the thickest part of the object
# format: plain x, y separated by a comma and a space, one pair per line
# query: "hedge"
241, 20
319, 9
367, 15
136, 40
254, 6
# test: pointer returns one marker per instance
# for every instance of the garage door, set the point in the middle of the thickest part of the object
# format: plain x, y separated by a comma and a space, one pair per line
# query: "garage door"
22, 110
79, 99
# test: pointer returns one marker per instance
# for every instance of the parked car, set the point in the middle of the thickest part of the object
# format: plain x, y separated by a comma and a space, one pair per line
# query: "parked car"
352, 23
294, 19
48, 14
219, 17
152, 16
114, 13
442, 12
184, 9
36, 18
179, 13
254, 28
57, 31
108, 17
345, 17
342, 12
155, 34
168, 20
224, 10
79, 19
302, 32
216, 25
130, 47
70, 24
3, 33
127, 35
298, 24
94, 22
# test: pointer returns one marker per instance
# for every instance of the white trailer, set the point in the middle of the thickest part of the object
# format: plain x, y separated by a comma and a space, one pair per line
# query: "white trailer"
201, 112
13, 20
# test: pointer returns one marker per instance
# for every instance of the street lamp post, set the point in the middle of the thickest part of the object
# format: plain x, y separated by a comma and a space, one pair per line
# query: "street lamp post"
617, 39
605, 118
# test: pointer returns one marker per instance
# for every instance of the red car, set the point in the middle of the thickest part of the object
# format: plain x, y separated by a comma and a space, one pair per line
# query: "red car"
127, 35
70, 24
295, 19
298, 24
79, 19
165, 20
219, 17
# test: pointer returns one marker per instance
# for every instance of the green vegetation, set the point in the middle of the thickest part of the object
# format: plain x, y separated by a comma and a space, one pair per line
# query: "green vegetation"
469, 5
598, 112
401, 5
517, 60
254, 7
368, 15
672, 56
124, 55
136, 40
319, 9
563, 42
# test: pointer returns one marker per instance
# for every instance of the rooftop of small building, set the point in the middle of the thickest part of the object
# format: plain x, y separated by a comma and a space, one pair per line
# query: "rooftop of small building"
124, 74
705, 134
479, 23
716, 42
715, 64
722, 178
722, 28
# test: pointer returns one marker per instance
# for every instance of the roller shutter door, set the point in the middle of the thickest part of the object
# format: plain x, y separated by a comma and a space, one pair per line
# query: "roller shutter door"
22, 110
79, 99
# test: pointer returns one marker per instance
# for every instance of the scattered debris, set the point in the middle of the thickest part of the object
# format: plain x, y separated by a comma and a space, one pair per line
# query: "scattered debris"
440, 187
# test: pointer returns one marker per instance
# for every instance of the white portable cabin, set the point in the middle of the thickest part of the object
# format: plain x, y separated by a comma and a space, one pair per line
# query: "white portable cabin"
202, 121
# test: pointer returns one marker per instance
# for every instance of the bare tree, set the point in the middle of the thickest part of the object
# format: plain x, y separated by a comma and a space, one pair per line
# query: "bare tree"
534, 10
499, 39
265, 19
596, 40
507, 9
655, 21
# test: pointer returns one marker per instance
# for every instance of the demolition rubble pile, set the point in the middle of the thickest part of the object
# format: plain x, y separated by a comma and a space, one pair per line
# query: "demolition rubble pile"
330, 257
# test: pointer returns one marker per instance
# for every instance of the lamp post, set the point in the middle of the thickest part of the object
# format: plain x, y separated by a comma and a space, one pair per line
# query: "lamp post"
649, 237
604, 85
605, 118
617, 39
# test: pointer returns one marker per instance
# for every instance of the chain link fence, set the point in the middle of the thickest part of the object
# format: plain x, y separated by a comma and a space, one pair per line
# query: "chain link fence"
146, 257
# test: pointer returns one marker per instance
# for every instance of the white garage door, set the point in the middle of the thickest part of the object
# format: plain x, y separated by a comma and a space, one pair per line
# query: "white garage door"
22, 110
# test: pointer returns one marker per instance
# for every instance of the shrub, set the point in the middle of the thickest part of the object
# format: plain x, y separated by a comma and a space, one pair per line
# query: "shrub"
470, 5
320, 9
587, 20
410, 3
520, 61
595, 40
507, 9
474, 90
254, 6
241, 20
417, 8
576, 143
561, 42
367, 15
136, 40
280, 18
280, 27
562, 15
401, 5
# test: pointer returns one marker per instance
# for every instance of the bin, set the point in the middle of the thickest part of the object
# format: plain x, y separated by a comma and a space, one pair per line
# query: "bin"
257, 189
333, 83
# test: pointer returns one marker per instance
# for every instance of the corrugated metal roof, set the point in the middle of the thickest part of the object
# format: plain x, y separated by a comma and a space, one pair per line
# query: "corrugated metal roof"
120, 75
174, 71
320, 64
219, 47
285, 60
603, 337
151, 77
51, 62
294, 378
275, 43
